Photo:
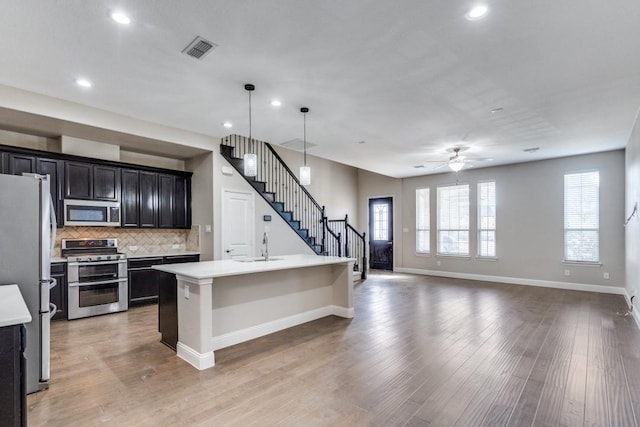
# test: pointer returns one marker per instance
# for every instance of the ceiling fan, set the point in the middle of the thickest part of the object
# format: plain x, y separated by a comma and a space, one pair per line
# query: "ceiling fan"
457, 161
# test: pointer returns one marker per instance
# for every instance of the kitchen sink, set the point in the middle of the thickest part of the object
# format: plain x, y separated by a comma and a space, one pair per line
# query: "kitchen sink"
257, 260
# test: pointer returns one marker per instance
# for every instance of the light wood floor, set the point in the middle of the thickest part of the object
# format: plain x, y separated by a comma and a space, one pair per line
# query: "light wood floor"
420, 351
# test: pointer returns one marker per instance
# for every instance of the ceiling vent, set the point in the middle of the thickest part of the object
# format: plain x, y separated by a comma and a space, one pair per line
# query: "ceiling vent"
297, 144
199, 48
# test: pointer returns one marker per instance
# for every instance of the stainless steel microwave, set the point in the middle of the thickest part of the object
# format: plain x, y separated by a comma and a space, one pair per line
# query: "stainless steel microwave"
91, 213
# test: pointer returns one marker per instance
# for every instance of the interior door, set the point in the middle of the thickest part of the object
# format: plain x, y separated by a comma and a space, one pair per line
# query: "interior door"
381, 233
237, 225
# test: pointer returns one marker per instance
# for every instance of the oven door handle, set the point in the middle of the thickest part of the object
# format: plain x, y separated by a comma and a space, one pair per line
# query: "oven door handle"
102, 282
85, 263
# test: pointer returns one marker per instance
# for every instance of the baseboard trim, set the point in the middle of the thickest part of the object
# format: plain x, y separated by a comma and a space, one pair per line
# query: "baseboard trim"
198, 360
252, 332
518, 281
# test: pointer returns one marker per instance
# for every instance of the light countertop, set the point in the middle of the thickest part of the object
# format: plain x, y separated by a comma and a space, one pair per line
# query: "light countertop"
140, 255
231, 267
13, 310
159, 254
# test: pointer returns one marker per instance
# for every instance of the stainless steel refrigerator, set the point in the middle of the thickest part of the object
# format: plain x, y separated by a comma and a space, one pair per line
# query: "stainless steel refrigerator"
27, 234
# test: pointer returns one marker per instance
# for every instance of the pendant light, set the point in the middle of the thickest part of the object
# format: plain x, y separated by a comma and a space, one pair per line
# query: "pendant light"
250, 158
456, 163
305, 171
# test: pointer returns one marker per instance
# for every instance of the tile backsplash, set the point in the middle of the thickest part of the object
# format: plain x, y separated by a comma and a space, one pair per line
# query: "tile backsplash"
132, 241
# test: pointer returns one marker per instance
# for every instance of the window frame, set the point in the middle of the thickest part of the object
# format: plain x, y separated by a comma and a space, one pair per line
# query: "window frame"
479, 228
439, 228
428, 225
567, 260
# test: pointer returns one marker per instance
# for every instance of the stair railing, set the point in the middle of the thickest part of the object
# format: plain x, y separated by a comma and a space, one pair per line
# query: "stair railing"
285, 187
353, 242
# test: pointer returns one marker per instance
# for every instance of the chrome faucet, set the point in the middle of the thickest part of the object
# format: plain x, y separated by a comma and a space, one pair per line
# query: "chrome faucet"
265, 242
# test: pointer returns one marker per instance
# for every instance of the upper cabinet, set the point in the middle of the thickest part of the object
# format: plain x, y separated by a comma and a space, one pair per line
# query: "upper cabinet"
149, 198
91, 182
17, 164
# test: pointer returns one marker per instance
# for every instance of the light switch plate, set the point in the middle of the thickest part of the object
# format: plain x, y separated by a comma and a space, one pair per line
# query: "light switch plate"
207, 228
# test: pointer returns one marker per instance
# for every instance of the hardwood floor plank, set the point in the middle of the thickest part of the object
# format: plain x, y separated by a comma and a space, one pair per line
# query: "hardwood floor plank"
420, 351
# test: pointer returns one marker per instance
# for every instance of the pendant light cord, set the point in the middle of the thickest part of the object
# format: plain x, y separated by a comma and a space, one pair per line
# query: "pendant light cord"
250, 139
305, 137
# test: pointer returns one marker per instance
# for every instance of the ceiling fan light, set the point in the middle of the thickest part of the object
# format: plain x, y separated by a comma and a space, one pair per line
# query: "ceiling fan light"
456, 165
305, 175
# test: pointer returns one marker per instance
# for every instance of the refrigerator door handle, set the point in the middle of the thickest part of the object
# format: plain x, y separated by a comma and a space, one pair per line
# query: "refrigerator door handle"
53, 309
54, 224
45, 344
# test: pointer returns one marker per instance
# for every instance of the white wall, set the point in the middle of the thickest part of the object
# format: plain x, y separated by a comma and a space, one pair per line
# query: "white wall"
333, 184
632, 230
283, 240
202, 201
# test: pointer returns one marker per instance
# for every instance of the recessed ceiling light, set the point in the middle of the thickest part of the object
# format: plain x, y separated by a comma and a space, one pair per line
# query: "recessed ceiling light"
497, 110
227, 125
418, 166
531, 150
276, 102
120, 17
362, 142
477, 12
83, 82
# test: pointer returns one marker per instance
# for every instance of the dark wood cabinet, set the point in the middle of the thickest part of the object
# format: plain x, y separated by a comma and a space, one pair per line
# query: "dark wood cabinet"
166, 193
148, 199
21, 163
13, 392
78, 181
168, 300
91, 182
143, 280
130, 198
55, 169
182, 203
168, 309
106, 183
58, 295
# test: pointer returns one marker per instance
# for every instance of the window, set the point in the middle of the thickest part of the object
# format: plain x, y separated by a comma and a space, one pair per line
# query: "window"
422, 220
487, 219
381, 221
453, 220
582, 217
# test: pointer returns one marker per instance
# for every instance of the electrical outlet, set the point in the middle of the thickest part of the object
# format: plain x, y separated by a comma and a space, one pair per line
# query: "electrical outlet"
606, 275
133, 248
186, 292
438, 263
175, 246
207, 228
567, 272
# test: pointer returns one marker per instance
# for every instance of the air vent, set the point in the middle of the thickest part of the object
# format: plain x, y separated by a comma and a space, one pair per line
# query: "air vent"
199, 48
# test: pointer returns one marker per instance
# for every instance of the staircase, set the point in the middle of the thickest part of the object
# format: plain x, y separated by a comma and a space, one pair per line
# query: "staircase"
281, 189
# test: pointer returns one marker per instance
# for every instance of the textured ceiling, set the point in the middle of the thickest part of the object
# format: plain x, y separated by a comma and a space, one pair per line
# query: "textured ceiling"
410, 78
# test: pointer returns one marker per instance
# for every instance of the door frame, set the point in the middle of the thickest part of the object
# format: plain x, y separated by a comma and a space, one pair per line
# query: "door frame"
393, 226
223, 233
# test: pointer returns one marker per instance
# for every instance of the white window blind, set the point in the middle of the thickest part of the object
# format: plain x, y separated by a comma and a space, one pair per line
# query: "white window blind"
422, 220
582, 217
453, 220
487, 219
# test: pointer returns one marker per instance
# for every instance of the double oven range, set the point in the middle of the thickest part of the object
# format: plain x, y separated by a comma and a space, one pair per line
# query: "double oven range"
97, 277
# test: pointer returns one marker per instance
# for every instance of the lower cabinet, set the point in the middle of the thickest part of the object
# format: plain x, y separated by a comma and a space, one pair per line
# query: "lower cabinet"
13, 392
58, 295
144, 280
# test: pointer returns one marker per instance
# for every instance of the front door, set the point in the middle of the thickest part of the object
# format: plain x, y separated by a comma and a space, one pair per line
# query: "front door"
237, 225
381, 233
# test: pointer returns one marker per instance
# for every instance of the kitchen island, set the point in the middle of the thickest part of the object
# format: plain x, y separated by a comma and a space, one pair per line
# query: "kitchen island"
226, 302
